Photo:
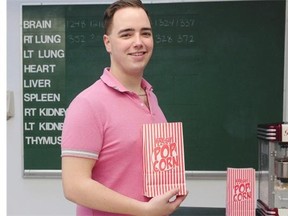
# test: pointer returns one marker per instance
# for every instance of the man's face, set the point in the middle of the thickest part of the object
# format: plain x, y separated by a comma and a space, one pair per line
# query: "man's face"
130, 42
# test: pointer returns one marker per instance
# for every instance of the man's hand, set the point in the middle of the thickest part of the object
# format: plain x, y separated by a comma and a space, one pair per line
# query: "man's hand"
164, 204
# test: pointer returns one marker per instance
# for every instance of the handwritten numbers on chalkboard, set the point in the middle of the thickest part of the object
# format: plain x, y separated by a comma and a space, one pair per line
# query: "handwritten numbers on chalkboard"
186, 39
167, 25
179, 39
174, 22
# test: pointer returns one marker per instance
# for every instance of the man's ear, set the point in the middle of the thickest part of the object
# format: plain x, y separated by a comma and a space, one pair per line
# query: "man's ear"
106, 41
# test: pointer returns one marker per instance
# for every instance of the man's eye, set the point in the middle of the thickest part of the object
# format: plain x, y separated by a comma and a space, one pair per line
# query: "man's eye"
125, 35
147, 34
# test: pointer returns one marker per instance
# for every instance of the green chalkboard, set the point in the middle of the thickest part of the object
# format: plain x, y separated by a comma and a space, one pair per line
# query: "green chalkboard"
217, 66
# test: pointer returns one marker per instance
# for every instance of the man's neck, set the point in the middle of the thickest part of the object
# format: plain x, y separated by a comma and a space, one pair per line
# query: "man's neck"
129, 80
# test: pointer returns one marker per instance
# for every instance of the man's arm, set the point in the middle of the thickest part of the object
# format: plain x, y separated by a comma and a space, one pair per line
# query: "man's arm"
80, 188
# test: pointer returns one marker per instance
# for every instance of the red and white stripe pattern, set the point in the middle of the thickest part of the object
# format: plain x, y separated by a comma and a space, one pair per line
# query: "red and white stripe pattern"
240, 192
163, 158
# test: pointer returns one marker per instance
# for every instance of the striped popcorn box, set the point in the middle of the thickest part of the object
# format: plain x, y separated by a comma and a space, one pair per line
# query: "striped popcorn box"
163, 158
240, 192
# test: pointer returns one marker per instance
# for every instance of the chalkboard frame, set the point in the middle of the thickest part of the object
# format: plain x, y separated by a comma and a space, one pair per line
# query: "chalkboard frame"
56, 173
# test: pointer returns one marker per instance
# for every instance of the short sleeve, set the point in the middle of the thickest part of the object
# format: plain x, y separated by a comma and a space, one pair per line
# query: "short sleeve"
82, 133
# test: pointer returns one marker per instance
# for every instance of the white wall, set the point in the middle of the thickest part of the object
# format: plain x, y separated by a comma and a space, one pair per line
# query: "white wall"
44, 196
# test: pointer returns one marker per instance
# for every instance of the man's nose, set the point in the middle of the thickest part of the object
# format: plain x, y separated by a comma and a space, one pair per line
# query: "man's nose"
138, 40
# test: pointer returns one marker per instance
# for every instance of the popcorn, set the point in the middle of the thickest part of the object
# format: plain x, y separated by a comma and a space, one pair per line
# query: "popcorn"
240, 192
163, 158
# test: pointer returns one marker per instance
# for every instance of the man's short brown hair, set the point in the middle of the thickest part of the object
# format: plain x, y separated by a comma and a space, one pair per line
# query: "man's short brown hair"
111, 10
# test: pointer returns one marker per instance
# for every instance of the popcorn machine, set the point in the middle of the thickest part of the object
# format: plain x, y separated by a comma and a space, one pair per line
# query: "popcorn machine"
273, 169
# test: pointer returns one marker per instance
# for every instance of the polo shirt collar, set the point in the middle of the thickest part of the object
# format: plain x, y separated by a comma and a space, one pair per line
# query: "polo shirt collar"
112, 82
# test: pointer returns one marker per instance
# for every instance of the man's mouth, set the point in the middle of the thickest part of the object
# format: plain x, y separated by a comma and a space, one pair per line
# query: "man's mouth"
137, 53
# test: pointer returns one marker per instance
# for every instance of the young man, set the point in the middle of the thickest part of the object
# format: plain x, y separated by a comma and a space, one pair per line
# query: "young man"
102, 169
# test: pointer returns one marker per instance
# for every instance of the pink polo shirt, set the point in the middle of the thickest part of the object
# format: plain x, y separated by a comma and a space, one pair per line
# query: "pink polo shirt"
104, 122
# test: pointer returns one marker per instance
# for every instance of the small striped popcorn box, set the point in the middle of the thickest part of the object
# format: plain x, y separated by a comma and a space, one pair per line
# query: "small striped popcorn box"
163, 158
240, 192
